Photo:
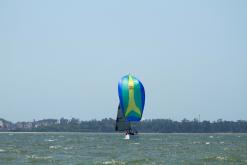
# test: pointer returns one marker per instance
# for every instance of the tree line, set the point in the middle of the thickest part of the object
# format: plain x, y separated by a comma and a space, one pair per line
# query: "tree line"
148, 126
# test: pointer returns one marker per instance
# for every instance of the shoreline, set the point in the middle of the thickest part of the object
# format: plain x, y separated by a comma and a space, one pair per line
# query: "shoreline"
118, 133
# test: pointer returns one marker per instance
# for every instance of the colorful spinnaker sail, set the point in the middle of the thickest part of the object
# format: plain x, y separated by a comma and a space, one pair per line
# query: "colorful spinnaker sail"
132, 97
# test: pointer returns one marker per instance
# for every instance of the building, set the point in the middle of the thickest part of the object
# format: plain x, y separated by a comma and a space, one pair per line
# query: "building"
1, 124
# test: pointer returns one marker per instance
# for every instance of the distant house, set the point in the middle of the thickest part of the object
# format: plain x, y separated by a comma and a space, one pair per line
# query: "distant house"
19, 125
24, 125
1, 124
28, 125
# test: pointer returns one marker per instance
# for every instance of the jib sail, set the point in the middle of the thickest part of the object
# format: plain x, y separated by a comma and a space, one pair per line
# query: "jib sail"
121, 123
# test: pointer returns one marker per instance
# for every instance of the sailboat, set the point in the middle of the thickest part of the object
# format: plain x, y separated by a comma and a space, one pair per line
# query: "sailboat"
132, 99
121, 124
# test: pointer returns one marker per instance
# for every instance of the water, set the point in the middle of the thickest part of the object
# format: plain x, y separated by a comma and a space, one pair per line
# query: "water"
100, 148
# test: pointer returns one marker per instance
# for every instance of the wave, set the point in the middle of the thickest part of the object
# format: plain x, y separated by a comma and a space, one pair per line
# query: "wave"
55, 147
112, 162
1, 150
38, 157
50, 140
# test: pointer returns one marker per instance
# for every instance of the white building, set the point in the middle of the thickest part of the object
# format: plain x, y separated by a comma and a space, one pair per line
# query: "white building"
1, 124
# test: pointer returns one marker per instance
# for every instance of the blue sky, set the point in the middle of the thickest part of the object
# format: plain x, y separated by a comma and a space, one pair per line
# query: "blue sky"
64, 58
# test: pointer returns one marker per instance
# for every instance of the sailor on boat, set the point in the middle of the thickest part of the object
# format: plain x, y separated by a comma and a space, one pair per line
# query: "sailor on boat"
127, 136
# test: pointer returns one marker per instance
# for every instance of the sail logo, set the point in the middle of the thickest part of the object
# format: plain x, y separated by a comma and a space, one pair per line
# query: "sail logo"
132, 104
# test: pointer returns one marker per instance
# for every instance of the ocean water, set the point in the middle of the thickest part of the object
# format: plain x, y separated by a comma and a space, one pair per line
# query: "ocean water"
104, 148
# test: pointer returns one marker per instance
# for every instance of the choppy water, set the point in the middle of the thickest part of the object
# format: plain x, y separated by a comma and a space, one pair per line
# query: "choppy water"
99, 148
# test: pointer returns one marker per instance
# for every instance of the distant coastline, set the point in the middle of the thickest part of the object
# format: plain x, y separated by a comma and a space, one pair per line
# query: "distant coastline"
107, 125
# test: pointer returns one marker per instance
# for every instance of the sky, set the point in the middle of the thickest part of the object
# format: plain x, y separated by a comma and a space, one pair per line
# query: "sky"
64, 58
